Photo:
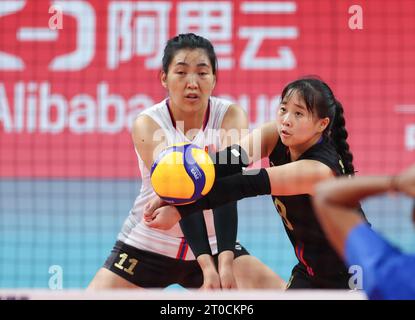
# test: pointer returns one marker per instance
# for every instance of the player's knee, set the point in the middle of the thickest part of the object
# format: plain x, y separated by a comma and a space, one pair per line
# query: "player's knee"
250, 273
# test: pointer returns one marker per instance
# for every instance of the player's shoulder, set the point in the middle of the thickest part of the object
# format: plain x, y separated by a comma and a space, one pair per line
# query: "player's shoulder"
235, 110
219, 101
325, 152
157, 108
146, 120
144, 125
270, 138
269, 128
231, 114
324, 148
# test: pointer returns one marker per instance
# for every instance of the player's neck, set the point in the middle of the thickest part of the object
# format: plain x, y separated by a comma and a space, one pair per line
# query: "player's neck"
298, 150
189, 120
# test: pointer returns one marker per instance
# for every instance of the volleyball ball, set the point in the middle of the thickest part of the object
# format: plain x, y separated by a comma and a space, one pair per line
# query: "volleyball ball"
182, 173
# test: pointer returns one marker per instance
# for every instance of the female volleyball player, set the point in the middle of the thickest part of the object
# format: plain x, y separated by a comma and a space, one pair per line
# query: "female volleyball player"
148, 258
307, 144
387, 273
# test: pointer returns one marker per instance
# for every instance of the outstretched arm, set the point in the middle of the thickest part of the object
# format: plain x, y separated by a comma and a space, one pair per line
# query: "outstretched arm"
336, 202
299, 177
195, 232
228, 189
234, 125
357, 243
250, 148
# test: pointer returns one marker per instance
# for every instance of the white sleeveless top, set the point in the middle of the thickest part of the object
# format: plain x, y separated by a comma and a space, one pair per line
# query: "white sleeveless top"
171, 242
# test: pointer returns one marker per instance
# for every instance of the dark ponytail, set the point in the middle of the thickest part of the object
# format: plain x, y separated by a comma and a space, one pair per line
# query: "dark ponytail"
338, 135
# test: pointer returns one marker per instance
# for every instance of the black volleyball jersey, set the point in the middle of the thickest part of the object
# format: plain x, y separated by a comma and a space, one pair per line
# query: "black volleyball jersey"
310, 243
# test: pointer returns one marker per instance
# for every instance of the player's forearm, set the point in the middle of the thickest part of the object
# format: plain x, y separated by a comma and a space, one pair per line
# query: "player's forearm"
337, 222
206, 262
195, 232
349, 191
226, 226
230, 189
230, 161
225, 259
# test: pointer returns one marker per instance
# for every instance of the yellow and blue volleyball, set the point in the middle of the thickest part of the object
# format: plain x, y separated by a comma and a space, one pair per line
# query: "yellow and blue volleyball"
182, 173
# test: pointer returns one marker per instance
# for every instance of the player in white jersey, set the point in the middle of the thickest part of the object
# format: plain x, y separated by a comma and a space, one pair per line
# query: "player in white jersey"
148, 258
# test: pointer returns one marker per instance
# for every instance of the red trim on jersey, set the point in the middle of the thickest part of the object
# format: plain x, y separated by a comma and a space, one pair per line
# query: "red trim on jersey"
181, 253
173, 122
186, 248
299, 251
207, 114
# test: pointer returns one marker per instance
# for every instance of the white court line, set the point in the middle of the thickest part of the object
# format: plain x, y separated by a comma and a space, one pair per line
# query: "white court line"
157, 294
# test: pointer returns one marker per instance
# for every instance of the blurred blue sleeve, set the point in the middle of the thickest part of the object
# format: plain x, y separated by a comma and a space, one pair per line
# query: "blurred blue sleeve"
387, 272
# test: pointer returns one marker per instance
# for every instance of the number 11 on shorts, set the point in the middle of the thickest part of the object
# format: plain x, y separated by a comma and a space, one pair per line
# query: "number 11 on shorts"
133, 263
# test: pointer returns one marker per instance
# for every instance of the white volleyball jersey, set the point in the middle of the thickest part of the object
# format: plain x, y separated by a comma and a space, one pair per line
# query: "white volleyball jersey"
171, 242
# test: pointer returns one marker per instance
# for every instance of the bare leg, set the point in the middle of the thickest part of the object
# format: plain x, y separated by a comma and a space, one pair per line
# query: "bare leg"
251, 273
106, 279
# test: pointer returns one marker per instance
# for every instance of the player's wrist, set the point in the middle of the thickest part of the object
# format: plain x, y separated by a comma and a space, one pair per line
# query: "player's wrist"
230, 161
206, 262
225, 260
226, 257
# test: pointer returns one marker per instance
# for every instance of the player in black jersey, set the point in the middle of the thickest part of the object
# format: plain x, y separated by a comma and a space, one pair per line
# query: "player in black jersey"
305, 145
